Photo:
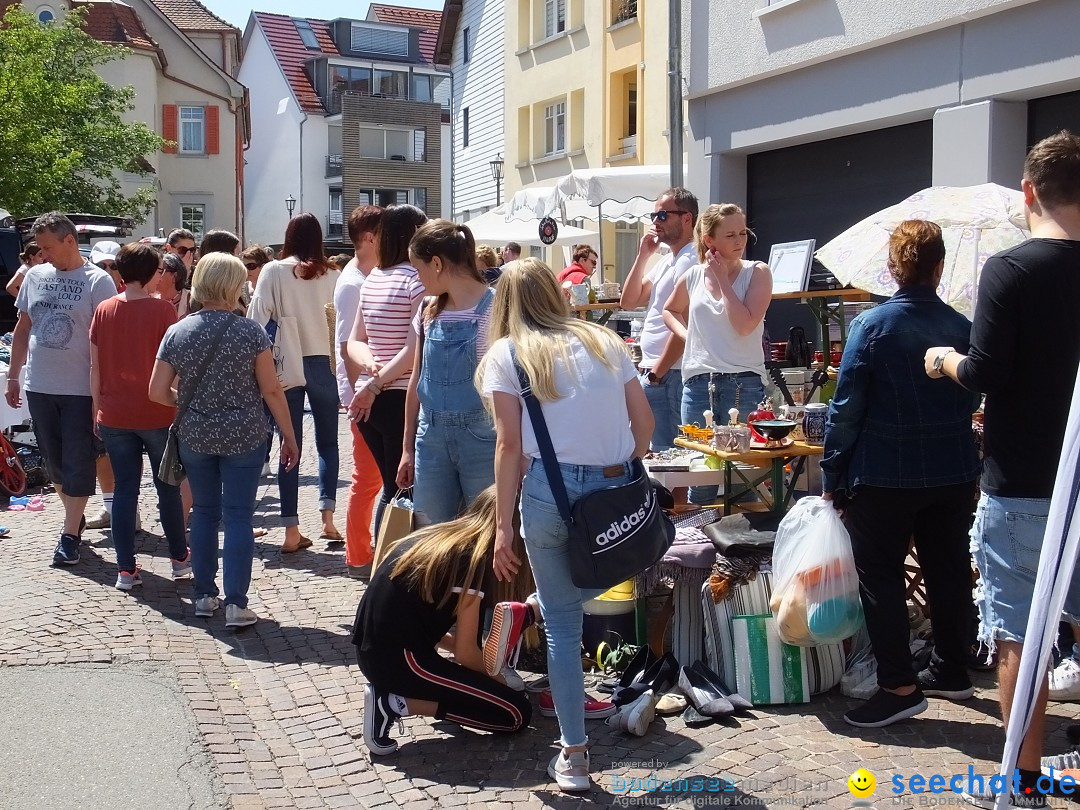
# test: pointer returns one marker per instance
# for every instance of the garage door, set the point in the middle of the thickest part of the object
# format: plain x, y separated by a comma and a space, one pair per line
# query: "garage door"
817, 190
1052, 114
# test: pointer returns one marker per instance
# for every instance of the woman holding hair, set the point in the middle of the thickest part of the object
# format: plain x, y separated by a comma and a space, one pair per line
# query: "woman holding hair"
222, 433
302, 284
124, 337
171, 284
582, 375
382, 345
431, 581
449, 446
900, 460
718, 309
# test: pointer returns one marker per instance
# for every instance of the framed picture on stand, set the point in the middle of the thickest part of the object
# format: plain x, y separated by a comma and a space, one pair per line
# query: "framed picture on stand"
790, 265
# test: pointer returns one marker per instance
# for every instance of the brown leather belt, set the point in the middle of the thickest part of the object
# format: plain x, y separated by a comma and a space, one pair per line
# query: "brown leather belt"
614, 471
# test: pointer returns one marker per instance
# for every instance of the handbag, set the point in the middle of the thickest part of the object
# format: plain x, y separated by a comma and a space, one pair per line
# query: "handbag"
284, 334
171, 470
397, 523
615, 533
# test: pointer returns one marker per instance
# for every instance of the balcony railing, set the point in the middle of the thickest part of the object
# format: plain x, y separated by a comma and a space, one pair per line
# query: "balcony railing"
623, 10
333, 165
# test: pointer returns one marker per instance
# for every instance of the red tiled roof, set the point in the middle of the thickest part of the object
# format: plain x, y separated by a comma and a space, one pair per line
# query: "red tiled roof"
425, 19
108, 21
291, 53
191, 15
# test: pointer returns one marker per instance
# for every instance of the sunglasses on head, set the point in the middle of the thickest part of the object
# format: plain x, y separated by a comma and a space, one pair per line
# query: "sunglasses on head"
183, 250
663, 214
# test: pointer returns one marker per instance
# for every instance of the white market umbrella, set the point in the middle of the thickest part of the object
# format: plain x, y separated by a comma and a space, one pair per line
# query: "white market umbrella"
493, 228
976, 222
536, 202
1057, 562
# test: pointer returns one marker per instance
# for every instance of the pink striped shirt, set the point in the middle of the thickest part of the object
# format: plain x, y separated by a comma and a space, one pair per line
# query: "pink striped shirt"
386, 301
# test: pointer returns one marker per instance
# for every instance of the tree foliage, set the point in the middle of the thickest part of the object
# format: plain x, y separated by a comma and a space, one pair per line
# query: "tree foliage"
63, 137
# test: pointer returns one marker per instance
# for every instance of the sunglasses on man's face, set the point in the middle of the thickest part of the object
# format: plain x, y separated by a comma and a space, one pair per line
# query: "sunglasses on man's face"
107, 265
251, 265
663, 214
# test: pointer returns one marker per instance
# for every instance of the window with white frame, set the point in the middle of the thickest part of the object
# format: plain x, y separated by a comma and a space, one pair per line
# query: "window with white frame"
387, 143
193, 218
383, 196
334, 220
555, 128
554, 17
192, 130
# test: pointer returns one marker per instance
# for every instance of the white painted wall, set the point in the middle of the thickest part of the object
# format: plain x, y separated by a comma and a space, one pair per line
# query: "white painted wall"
1006, 53
733, 41
273, 171
478, 85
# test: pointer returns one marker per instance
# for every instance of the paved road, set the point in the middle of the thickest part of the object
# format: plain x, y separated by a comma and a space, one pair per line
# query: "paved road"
277, 707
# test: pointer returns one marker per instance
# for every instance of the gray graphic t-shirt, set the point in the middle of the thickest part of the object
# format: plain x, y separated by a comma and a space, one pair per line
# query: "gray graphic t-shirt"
225, 417
61, 305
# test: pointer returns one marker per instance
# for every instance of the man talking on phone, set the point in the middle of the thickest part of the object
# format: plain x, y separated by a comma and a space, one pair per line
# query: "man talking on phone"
673, 219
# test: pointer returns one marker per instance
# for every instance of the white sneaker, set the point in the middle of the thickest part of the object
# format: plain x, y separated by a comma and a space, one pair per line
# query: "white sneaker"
571, 771
205, 606
1065, 680
1053, 766
236, 616
512, 679
102, 520
635, 717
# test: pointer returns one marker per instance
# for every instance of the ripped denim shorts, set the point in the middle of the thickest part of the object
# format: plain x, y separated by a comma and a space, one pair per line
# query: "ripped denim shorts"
1006, 542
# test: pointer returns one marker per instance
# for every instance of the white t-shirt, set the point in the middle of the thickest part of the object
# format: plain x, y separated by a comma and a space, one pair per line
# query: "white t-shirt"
664, 277
590, 423
346, 303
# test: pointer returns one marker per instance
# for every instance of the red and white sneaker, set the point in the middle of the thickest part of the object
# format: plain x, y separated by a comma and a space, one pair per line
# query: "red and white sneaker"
504, 638
594, 709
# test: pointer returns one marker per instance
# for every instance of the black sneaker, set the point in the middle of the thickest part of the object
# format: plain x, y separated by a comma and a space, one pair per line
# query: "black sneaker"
988, 799
67, 550
978, 660
886, 708
932, 685
378, 718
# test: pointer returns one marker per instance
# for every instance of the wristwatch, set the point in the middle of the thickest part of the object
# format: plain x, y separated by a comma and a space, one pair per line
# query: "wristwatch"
651, 377
941, 359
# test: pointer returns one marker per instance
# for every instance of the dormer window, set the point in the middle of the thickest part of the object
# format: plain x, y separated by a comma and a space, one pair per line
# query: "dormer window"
380, 40
307, 36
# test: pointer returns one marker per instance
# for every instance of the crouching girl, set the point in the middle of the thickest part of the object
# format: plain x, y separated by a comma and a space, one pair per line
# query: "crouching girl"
431, 581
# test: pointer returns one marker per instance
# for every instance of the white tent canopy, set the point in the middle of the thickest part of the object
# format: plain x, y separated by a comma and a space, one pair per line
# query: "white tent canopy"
494, 228
628, 191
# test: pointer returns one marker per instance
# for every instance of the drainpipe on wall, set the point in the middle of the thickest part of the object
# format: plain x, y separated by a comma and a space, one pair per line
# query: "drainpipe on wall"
302, 122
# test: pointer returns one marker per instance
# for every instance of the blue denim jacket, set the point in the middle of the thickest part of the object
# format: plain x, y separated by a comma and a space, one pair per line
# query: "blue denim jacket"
889, 424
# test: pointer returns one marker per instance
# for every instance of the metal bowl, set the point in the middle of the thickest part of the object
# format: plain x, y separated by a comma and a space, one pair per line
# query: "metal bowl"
774, 429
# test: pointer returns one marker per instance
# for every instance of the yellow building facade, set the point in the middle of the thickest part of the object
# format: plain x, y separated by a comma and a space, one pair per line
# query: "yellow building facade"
586, 87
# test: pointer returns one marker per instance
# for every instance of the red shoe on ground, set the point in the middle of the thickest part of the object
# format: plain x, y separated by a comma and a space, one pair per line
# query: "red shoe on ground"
594, 709
509, 621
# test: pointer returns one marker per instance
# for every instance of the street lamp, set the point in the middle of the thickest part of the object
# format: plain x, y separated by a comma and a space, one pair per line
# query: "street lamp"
290, 204
497, 175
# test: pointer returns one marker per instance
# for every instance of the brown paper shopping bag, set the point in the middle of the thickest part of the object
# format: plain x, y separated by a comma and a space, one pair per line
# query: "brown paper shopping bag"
397, 523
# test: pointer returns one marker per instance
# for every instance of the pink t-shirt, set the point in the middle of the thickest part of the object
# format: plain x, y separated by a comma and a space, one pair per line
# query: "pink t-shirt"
386, 301
457, 316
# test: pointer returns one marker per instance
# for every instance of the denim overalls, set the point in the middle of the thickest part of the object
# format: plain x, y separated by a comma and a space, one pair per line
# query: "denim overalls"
455, 437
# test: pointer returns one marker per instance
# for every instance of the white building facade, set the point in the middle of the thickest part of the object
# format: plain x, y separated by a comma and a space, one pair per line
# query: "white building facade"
816, 113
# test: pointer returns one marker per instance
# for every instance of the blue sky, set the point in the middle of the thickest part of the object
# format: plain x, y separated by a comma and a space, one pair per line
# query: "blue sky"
237, 11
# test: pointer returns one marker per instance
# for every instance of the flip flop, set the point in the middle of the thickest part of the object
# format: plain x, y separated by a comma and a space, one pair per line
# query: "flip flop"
333, 537
37, 504
19, 500
304, 543
260, 532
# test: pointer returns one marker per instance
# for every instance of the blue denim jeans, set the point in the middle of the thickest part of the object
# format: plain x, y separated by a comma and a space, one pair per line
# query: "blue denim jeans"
743, 391
1006, 542
548, 546
665, 399
125, 448
321, 391
223, 487
455, 462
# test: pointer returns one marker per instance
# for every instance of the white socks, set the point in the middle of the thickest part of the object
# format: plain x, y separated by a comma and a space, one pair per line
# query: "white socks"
106, 501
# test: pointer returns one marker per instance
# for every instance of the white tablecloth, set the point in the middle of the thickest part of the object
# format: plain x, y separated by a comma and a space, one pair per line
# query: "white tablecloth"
11, 416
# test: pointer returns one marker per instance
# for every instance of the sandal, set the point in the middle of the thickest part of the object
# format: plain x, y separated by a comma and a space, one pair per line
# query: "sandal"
334, 536
260, 532
37, 504
304, 543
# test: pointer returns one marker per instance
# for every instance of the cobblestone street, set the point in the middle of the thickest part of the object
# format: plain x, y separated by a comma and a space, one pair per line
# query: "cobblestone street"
278, 706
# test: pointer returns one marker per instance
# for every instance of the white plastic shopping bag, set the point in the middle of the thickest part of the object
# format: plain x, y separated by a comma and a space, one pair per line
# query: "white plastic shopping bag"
815, 585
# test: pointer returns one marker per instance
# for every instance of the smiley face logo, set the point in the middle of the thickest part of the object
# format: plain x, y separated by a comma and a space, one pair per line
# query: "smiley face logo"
862, 783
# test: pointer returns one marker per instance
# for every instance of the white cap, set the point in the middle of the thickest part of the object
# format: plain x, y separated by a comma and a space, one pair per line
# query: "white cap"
104, 250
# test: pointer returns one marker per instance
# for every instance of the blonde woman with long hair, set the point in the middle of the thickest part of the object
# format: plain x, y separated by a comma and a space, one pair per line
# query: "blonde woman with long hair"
600, 421
431, 581
718, 308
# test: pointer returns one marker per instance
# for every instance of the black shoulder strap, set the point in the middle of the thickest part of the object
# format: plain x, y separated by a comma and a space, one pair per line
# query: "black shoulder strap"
543, 439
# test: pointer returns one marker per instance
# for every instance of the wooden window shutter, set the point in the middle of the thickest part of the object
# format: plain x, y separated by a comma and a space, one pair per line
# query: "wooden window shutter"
169, 128
213, 130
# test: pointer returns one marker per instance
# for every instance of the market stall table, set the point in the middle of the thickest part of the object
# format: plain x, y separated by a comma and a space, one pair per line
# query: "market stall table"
605, 311
772, 461
827, 307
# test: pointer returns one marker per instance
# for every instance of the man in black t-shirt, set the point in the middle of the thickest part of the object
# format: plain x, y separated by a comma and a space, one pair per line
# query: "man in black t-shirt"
1024, 355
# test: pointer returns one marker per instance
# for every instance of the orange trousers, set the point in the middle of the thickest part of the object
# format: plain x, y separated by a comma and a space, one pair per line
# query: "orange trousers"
365, 489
